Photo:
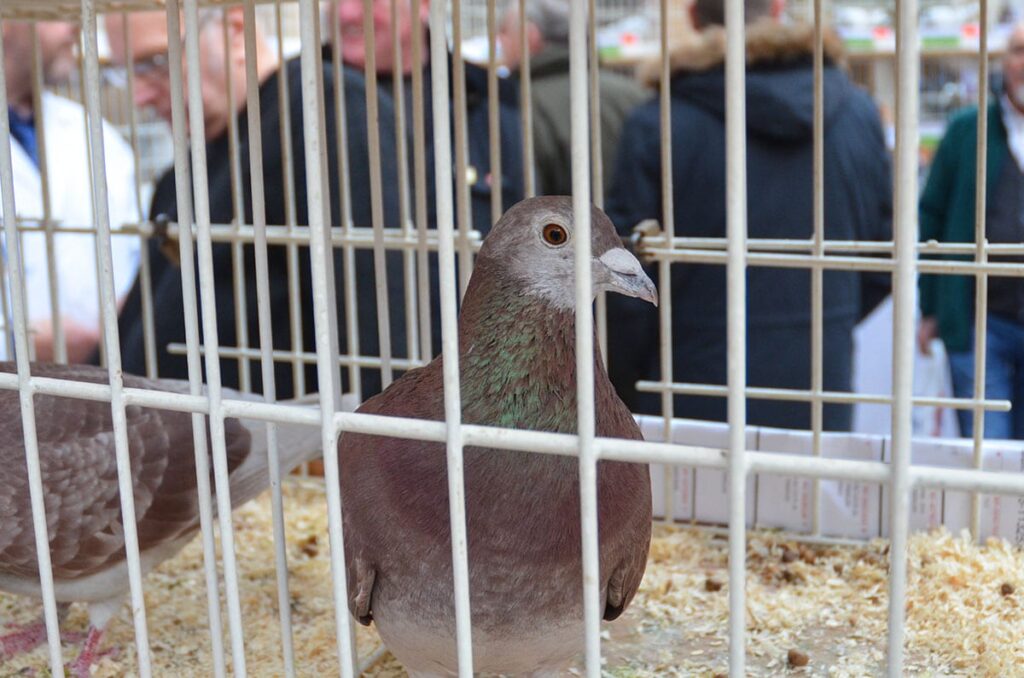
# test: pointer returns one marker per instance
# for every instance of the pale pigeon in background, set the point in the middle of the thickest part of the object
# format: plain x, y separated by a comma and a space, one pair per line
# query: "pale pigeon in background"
517, 362
83, 510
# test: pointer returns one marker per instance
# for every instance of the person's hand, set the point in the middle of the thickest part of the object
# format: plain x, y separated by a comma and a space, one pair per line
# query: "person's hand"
927, 330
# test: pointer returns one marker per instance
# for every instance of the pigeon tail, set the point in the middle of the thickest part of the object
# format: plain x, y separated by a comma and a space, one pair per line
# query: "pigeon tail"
297, 444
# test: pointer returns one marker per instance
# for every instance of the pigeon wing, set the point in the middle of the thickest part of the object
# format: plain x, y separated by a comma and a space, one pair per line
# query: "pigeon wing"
624, 505
79, 470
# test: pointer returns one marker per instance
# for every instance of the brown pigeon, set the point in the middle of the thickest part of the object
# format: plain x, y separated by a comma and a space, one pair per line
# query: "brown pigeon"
517, 365
83, 511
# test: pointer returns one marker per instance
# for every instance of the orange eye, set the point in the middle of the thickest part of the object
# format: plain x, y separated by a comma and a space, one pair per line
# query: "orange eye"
555, 235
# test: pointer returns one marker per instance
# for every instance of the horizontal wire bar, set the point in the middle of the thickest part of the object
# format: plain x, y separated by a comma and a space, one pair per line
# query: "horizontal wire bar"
659, 242
765, 393
771, 260
542, 442
306, 357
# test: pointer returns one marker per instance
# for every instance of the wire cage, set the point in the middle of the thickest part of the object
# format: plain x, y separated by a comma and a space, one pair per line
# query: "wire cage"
320, 241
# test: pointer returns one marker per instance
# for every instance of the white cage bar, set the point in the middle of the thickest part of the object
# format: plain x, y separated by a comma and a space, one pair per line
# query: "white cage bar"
454, 241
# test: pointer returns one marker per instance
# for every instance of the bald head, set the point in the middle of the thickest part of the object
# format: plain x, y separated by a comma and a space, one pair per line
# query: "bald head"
57, 41
143, 36
547, 23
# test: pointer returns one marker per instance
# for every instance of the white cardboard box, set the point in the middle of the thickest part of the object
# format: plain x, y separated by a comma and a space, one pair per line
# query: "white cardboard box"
852, 510
1003, 515
699, 494
676, 482
711, 486
931, 507
848, 509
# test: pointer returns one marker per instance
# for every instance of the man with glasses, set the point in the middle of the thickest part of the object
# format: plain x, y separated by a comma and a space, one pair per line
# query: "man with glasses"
223, 61
52, 179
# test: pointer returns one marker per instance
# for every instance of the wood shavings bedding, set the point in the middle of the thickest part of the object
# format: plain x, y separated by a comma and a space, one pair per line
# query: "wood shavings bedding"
823, 604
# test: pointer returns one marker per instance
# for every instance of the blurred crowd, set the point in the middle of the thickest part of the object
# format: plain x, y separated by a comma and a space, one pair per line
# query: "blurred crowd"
687, 197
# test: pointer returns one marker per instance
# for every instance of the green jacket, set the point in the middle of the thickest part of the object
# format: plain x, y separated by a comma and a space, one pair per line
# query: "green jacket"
552, 133
947, 215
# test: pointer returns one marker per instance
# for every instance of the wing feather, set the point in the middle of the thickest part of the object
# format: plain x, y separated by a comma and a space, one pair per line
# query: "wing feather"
79, 469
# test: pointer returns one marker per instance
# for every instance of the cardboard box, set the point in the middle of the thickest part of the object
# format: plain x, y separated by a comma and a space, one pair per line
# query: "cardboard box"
848, 509
1003, 515
931, 507
711, 486
674, 482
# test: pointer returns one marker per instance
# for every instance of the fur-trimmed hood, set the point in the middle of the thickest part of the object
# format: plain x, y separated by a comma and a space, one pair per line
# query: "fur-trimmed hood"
767, 42
780, 79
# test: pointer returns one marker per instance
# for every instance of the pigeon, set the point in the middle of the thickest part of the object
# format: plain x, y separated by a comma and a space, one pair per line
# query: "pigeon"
83, 510
517, 369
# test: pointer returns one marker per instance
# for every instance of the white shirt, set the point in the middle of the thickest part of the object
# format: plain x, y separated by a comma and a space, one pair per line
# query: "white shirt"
1013, 120
70, 191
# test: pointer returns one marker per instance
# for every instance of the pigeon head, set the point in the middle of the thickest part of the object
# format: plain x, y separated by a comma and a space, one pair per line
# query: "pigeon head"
535, 243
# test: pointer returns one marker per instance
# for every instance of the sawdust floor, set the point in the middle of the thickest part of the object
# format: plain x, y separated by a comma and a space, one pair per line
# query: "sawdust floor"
826, 604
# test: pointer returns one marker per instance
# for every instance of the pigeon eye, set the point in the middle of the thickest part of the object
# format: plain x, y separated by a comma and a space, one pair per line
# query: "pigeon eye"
555, 235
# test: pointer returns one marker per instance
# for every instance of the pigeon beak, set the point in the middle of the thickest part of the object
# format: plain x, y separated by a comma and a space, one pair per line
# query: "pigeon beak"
622, 273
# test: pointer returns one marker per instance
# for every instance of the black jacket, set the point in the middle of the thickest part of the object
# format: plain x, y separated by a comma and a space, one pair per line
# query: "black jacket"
477, 137
166, 276
479, 174
857, 197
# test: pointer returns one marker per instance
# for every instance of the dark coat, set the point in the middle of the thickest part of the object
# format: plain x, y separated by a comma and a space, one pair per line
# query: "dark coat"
479, 174
478, 141
166, 276
858, 205
552, 131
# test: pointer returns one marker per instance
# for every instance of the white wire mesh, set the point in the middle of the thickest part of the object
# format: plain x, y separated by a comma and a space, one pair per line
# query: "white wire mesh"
452, 207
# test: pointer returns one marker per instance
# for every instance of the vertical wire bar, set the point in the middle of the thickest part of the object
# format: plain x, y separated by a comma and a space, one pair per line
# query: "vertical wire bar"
101, 220
145, 276
380, 270
596, 160
904, 286
817, 273
526, 107
402, 163
668, 219
580, 150
449, 335
463, 213
736, 322
5, 252
201, 198
238, 210
326, 338
92, 190
60, 346
419, 155
344, 189
182, 182
20, 353
259, 222
981, 256
494, 113
291, 215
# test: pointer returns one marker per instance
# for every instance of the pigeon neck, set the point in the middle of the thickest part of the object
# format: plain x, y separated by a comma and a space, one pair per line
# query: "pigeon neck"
517, 358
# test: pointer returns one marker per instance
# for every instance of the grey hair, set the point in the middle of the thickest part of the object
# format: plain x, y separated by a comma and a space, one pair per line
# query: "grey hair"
551, 17
712, 12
